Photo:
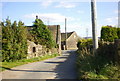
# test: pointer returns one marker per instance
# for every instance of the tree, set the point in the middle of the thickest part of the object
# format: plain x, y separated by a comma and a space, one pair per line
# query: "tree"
7, 40
42, 34
109, 33
22, 39
14, 41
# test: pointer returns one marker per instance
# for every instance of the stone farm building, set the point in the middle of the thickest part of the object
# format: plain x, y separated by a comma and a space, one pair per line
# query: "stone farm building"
55, 30
35, 50
56, 34
71, 41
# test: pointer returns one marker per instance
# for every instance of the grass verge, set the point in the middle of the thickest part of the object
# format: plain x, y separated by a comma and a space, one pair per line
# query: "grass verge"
8, 65
94, 67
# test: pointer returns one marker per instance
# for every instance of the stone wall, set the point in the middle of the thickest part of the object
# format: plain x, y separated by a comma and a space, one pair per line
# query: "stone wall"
117, 48
36, 50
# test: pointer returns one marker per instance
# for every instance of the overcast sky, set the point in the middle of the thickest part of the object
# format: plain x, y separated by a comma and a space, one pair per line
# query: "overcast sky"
53, 12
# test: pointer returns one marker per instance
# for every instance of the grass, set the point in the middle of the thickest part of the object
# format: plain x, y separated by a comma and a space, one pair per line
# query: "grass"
102, 64
94, 67
8, 65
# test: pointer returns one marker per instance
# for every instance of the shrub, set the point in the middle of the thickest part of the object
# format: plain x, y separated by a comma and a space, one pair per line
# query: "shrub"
85, 44
42, 34
14, 40
109, 33
101, 65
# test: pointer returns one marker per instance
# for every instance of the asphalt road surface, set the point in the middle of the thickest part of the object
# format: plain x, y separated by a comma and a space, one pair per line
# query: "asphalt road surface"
61, 67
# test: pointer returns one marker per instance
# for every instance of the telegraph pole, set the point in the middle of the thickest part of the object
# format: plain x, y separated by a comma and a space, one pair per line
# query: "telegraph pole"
94, 24
118, 14
86, 32
65, 34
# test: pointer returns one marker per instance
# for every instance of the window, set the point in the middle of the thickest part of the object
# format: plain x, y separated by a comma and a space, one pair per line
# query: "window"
34, 49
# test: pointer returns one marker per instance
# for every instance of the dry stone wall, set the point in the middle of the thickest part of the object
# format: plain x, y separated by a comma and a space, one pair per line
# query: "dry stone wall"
36, 50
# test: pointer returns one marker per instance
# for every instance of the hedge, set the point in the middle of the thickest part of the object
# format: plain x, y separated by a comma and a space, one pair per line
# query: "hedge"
109, 33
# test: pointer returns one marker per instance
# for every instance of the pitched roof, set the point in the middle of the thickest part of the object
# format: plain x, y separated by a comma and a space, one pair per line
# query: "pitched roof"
68, 35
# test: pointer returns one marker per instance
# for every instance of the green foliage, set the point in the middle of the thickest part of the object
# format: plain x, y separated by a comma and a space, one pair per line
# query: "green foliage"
118, 33
101, 65
14, 40
85, 44
30, 36
109, 33
42, 34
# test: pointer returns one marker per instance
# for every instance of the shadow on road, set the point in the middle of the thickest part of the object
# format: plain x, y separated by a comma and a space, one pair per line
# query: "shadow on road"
67, 69
25, 70
54, 62
29, 70
6, 68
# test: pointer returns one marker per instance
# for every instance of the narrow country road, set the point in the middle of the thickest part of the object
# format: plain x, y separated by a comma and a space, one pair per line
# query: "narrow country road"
61, 67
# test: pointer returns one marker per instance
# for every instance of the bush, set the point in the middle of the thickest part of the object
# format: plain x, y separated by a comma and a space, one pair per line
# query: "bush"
85, 43
109, 33
42, 34
14, 40
101, 65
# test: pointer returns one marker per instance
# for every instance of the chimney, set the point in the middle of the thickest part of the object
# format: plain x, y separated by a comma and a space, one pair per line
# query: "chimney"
36, 17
